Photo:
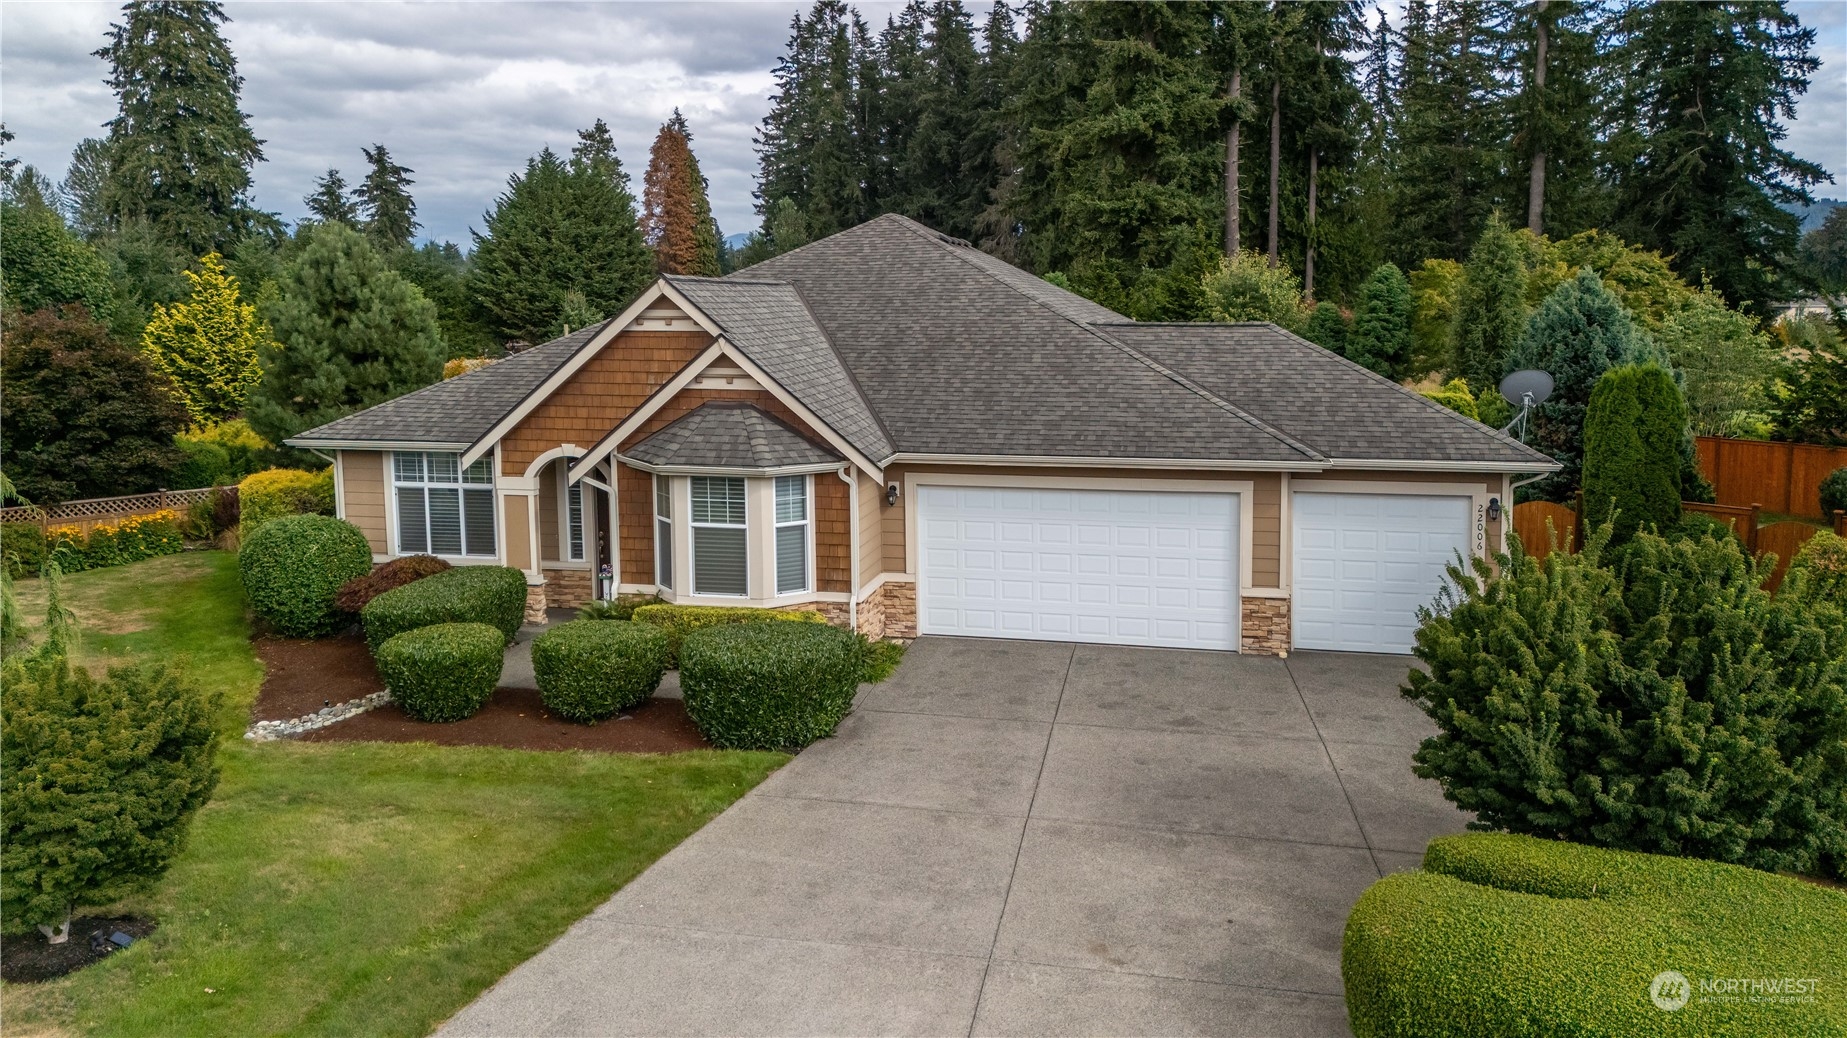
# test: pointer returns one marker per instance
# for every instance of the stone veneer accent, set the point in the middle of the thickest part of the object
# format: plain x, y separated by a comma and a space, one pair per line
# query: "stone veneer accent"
535, 603
836, 612
568, 588
890, 611
1266, 626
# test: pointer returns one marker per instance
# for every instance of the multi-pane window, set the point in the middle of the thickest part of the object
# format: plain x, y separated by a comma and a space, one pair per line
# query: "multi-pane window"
574, 521
721, 555
663, 532
791, 534
441, 508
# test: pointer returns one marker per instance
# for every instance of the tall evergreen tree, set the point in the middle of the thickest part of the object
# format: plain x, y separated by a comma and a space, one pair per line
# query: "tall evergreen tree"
941, 182
440, 272
816, 144
1701, 173
560, 227
180, 150
1633, 428
676, 216
349, 333
385, 202
330, 202
1381, 337
1491, 316
1556, 115
85, 188
1577, 334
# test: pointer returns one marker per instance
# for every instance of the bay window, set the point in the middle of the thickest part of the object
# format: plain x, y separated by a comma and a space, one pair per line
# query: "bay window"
663, 532
792, 569
441, 508
721, 554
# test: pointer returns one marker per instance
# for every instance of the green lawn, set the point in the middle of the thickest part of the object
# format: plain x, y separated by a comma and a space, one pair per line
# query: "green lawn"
355, 888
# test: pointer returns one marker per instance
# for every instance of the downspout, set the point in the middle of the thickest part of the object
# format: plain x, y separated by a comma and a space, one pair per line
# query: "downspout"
850, 476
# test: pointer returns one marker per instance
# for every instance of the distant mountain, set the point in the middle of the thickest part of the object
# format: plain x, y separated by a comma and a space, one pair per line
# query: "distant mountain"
736, 241
1813, 215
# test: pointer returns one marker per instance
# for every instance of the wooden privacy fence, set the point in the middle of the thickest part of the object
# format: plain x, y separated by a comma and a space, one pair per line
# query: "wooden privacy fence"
89, 512
1780, 477
1782, 539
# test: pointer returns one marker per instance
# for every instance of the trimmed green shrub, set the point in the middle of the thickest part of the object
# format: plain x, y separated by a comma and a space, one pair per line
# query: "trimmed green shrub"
1834, 493
591, 669
769, 686
1510, 935
23, 546
359, 592
1456, 396
444, 672
493, 595
1632, 436
293, 567
622, 607
274, 493
1820, 569
218, 455
681, 620
1654, 699
102, 779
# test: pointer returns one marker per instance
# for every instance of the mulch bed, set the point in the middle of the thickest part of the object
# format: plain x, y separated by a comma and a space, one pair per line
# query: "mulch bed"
26, 958
516, 719
303, 675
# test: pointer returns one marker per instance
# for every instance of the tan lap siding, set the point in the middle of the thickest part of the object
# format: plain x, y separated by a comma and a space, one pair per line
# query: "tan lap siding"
362, 495
602, 393
871, 528
1266, 508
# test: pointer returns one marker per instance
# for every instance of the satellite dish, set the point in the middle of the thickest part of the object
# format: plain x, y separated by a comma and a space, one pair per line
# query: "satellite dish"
1525, 390
1519, 386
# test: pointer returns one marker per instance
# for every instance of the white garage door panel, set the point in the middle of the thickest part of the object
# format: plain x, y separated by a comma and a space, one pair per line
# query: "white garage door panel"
1364, 563
1079, 565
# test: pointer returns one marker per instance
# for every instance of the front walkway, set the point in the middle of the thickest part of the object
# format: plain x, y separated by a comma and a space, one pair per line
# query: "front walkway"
1022, 838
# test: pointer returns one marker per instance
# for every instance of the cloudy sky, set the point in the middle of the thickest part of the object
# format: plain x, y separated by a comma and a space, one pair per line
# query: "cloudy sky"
463, 93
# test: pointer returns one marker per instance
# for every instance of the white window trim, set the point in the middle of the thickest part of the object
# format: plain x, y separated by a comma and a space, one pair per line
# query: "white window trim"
776, 527
751, 555
394, 545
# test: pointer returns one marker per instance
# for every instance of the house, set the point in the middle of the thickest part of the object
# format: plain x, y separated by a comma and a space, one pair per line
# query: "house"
914, 437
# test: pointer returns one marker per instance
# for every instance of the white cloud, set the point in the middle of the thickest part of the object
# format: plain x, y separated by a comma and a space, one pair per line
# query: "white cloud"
464, 93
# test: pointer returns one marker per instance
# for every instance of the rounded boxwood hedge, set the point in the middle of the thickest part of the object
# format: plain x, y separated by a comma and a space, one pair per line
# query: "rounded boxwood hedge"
1503, 934
493, 595
293, 567
444, 672
681, 620
769, 686
590, 669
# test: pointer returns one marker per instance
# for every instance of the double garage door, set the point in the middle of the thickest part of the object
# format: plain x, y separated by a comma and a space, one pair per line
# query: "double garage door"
1161, 568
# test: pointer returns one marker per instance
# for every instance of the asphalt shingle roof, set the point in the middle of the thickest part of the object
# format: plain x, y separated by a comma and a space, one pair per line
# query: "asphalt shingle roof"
729, 435
1318, 397
769, 323
456, 410
958, 357
904, 340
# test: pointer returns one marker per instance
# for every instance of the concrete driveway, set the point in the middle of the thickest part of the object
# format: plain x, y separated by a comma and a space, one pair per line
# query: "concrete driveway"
1022, 838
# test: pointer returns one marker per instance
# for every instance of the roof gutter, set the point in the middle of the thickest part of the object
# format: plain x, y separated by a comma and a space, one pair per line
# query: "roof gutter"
1067, 461
1426, 465
318, 445
730, 470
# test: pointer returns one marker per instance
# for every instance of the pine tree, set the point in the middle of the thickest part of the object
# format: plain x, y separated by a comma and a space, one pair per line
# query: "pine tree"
1701, 173
560, 227
1491, 315
330, 202
1556, 115
1577, 334
676, 217
384, 199
349, 333
179, 151
1633, 429
817, 143
440, 272
1381, 337
85, 188
208, 344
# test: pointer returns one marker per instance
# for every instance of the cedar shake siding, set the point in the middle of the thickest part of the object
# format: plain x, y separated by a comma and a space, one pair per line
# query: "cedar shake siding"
606, 390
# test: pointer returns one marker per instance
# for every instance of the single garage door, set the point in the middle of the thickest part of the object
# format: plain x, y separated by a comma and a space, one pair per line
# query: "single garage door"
1364, 563
1123, 567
